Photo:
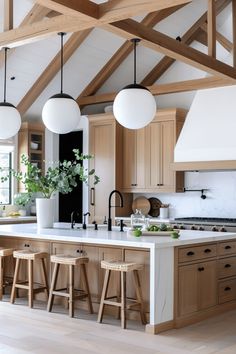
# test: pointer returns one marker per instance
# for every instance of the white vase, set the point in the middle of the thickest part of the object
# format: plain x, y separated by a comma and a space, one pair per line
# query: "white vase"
22, 212
45, 210
164, 213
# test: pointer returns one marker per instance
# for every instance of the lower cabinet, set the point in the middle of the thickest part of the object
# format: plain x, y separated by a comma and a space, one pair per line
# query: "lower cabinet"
197, 287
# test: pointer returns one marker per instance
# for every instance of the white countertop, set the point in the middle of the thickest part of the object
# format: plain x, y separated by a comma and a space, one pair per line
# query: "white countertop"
9, 219
115, 238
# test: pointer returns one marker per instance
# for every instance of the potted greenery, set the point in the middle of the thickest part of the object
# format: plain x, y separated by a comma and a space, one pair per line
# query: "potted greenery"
61, 177
22, 200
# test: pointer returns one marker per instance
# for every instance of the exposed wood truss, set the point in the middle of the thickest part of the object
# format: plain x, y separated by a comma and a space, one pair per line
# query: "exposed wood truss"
176, 87
211, 28
234, 31
8, 15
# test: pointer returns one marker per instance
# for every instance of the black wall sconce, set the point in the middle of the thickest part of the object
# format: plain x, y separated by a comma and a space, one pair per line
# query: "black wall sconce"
203, 196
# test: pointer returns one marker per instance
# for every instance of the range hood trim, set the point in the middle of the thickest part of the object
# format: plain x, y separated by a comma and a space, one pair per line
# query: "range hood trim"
204, 165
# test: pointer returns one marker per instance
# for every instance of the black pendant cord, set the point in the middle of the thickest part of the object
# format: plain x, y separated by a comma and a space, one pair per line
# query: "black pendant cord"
135, 41
62, 34
5, 75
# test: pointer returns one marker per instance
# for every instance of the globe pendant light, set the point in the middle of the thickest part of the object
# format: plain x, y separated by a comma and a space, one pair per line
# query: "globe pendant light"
10, 119
134, 106
61, 113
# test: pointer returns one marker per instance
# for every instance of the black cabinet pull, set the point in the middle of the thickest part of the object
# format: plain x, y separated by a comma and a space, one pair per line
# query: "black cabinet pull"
190, 253
160, 184
92, 196
227, 265
207, 250
134, 184
26, 245
201, 269
227, 247
228, 288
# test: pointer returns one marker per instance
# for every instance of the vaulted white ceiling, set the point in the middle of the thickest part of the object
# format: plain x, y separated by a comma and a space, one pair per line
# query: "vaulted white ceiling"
27, 62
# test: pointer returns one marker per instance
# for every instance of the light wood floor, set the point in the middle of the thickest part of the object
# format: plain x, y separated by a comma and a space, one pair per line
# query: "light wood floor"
24, 331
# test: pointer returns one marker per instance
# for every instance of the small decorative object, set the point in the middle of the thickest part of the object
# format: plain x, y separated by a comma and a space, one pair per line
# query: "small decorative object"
137, 219
22, 200
164, 211
60, 178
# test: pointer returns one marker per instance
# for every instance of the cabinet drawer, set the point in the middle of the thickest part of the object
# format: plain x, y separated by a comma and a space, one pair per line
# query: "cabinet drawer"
196, 252
228, 247
226, 267
227, 291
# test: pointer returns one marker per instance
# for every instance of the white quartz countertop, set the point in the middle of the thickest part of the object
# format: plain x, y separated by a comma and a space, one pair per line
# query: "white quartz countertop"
9, 219
103, 237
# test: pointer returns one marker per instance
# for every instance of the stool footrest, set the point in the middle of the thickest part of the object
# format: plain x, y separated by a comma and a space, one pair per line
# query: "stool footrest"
112, 303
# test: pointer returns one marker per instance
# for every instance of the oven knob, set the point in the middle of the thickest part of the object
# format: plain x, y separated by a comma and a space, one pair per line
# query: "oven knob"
193, 227
201, 228
182, 227
214, 228
223, 229
175, 226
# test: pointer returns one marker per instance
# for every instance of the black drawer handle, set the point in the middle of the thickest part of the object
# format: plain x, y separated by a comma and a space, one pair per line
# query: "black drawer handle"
133, 184
160, 184
26, 245
207, 250
227, 265
201, 269
190, 253
227, 247
228, 288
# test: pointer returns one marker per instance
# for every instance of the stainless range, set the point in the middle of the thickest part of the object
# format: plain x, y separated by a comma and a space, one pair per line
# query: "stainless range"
204, 223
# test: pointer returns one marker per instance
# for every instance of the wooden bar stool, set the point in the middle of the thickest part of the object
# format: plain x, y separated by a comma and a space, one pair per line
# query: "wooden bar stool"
123, 268
30, 257
4, 252
71, 262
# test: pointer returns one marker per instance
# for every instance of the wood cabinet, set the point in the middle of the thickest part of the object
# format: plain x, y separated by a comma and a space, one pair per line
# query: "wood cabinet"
106, 145
31, 142
197, 287
149, 152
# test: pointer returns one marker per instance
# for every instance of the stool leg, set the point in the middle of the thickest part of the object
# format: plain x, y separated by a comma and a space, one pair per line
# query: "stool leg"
13, 290
1, 277
53, 286
104, 295
123, 299
45, 279
86, 286
71, 290
31, 282
139, 296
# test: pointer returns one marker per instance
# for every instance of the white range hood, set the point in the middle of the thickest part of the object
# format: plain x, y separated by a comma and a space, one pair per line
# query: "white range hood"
208, 137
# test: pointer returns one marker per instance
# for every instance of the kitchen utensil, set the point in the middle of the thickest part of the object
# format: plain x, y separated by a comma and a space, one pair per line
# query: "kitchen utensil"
155, 207
141, 203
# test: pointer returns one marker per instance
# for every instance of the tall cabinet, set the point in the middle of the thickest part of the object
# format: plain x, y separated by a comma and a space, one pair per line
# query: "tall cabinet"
106, 145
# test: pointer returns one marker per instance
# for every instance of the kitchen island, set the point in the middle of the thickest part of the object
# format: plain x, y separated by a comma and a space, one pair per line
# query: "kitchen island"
171, 262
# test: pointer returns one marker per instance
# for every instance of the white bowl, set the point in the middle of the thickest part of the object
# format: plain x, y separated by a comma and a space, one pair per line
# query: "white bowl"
34, 145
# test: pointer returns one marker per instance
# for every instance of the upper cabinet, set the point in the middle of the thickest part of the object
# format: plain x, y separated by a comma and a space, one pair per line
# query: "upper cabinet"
31, 142
149, 152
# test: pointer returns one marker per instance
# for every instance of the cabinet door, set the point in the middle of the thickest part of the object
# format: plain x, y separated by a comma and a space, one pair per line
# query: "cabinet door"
92, 252
154, 153
102, 146
188, 289
207, 280
168, 144
133, 159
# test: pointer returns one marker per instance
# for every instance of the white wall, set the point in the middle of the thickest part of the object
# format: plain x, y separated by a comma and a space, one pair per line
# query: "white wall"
220, 201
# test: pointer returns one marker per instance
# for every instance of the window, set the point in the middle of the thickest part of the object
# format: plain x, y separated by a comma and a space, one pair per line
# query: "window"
5, 187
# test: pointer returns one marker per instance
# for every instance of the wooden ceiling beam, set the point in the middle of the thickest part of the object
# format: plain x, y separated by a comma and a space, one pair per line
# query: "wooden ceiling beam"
52, 69
74, 8
225, 42
121, 9
191, 34
211, 28
168, 46
122, 53
163, 89
8, 15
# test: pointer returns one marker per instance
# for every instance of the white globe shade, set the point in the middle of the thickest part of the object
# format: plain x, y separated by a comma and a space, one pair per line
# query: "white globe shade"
134, 107
10, 120
61, 114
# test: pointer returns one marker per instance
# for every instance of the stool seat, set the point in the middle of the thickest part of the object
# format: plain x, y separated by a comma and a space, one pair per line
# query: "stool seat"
120, 266
29, 255
67, 259
4, 252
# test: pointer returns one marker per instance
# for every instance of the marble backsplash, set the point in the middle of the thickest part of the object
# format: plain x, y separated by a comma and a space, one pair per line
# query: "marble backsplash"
220, 191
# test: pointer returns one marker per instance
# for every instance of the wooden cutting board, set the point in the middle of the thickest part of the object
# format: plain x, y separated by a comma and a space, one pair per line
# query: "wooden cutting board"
141, 203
